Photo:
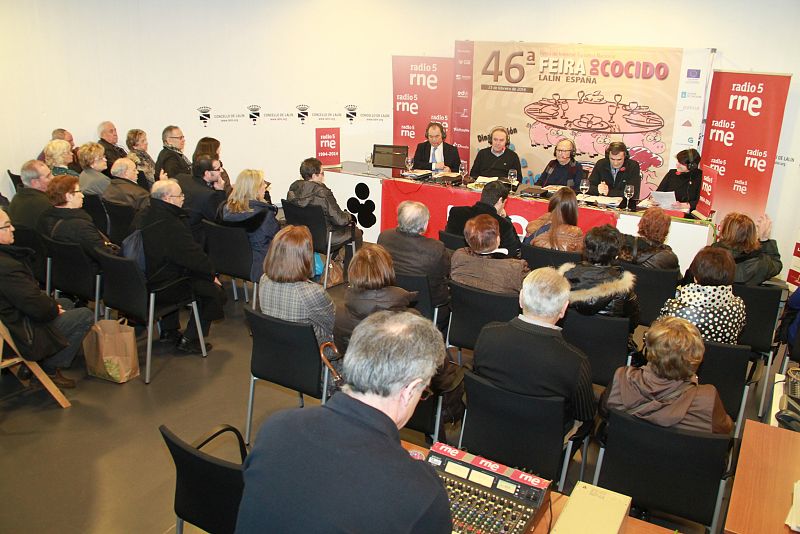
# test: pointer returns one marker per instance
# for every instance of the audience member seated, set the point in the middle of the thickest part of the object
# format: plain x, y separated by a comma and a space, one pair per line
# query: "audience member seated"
345, 457
558, 228
66, 221
204, 191
136, 140
492, 202
58, 155
496, 159
563, 170
123, 188
685, 180
171, 253
61, 133
209, 145
598, 287
31, 201
528, 355
793, 306
247, 208
44, 330
708, 301
311, 190
648, 248
109, 138
756, 255
665, 392
171, 159
482, 264
93, 161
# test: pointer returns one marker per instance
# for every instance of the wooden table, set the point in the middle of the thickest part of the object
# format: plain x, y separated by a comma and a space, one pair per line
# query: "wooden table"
769, 464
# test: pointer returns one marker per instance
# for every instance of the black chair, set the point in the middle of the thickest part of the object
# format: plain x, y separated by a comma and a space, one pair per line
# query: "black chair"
653, 288
674, 471
287, 354
207, 489
762, 305
125, 290
471, 309
30, 238
73, 272
603, 339
420, 284
518, 430
16, 179
725, 367
546, 257
120, 219
314, 218
229, 250
427, 417
94, 207
452, 241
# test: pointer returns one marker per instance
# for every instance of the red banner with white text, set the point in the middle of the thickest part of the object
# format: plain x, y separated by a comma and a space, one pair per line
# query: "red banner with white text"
743, 126
706, 201
328, 150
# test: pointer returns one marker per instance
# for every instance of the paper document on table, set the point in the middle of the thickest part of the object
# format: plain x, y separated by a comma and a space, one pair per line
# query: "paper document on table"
665, 199
793, 519
600, 200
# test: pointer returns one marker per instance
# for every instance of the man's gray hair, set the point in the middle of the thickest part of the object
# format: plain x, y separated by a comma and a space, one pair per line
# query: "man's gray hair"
102, 127
166, 131
59, 133
544, 292
388, 350
30, 171
412, 217
121, 166
162, 188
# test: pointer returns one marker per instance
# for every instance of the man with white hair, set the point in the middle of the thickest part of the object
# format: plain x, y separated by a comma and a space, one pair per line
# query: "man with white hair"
528, 355
31, 201
345, 457
107, 133
123, 188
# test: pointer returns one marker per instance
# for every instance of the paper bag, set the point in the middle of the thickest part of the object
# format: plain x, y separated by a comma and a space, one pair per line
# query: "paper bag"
110, 350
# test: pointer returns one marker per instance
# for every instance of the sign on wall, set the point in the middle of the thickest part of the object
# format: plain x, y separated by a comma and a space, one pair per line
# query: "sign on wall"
328, 150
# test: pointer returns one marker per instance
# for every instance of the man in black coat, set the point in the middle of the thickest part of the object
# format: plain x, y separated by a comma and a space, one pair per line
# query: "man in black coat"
612, 173
172, 253
108, 140
445, 156
31, 201
205, 191
171, 159
42, 329
492, 202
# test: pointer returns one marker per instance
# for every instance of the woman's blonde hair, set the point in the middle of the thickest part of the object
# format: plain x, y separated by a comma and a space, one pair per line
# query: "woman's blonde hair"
245, 189
55, 153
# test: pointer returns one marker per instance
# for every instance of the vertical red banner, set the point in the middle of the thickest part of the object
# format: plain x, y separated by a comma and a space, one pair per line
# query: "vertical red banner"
743, 126
707, 191
422, 93
328, 150
461, 123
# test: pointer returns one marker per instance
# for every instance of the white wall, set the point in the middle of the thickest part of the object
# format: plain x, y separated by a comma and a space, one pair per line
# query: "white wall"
145, 64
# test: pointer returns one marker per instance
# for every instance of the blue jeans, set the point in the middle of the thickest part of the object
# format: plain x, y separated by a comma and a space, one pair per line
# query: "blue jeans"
73, 324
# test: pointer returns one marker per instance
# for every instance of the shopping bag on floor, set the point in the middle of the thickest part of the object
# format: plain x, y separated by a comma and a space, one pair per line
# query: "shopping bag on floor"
110, 350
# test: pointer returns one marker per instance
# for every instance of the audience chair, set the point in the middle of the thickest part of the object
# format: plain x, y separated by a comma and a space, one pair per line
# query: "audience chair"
73, 272
120, 219
546, 257
452, 241
229, 250
674, 471
207, 489
653, 288
15, 363
314, 218
40, 265
427, 417
16, 179
286, 354
603, 339
471, 309
125, 290
420, 284
762, 305
94, 207
725, 367
519, 430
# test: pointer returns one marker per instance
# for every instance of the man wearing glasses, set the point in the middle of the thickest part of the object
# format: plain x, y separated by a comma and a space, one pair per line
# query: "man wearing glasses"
171, 158
341, 467
563, 170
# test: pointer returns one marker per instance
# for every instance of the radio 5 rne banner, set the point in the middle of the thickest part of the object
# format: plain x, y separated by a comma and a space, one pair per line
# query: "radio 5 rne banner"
706, 199
328, 150
743, 126
423, 89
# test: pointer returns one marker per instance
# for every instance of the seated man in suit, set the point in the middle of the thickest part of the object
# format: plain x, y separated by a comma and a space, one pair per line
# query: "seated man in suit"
528, 355
205, 192
612, 173
31, 201
434, 154
171, 159
108, 140
492, 202
123, 188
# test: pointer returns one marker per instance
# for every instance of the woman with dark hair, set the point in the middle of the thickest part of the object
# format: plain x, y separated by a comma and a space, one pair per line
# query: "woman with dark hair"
685, 180
598, 287
648, 248
756, 255
211, 147
666, 392
482, 264
558, 228
708, 302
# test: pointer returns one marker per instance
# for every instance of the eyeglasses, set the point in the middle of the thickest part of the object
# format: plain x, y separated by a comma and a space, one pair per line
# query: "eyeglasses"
426, 394
6, 226
176, 137
76, 191
560, 151
177, 196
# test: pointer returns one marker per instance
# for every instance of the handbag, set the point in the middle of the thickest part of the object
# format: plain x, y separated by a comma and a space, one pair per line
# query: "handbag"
110, 350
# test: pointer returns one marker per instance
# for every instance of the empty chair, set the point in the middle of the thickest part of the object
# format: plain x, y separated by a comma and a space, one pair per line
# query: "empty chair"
653, 288
725, 367
518, 430
603, 339
471, 309
422, 286
207, 489
286, 354
229, 251
125, 290
73, 273
94, 207
452, 241
314, 218
16, 180
120, 218
674, 471
547, 257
